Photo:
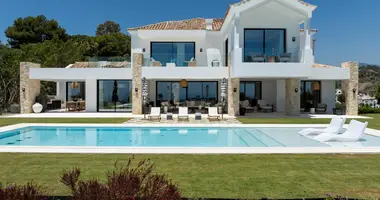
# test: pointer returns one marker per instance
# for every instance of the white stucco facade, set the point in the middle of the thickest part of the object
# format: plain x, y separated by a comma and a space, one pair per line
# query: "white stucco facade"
289, 15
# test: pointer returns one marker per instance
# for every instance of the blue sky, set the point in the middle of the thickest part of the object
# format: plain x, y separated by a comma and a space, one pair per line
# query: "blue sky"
349, 30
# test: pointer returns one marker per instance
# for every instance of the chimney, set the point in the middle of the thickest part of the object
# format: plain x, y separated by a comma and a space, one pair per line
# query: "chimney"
209, 23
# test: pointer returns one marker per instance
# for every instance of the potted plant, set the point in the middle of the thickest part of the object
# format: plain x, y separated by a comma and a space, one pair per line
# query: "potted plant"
242, 110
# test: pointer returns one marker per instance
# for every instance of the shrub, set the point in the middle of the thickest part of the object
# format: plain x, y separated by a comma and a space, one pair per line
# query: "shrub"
367, 110
30, 191
123, 183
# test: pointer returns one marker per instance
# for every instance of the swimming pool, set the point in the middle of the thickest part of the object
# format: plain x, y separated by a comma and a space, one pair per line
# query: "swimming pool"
66, 136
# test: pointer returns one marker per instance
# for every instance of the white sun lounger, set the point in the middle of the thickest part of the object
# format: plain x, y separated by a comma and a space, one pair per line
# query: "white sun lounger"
334, 127
183, 113
354, 132
155, 113
213, 113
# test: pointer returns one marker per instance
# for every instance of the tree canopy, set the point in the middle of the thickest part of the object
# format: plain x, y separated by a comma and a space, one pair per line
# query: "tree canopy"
41, 40
33, 30
108, 27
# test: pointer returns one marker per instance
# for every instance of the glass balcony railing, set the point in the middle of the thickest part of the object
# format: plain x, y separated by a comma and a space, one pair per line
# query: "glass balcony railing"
290, 56
110, 62
185, 60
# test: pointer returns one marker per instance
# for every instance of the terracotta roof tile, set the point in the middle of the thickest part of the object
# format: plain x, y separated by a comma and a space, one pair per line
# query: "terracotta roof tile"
189, 24
196, 23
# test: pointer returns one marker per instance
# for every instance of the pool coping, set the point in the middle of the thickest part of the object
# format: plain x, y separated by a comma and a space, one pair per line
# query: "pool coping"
186, 150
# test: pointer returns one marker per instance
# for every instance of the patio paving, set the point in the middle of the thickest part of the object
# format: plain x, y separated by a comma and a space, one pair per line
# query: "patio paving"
176, 121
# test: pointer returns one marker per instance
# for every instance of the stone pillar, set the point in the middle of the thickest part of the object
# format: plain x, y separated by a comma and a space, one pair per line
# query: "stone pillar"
292, 97
351, 88
137, 61
29, 88
232, 96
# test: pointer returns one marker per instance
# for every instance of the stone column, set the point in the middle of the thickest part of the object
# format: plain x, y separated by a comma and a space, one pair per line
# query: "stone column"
232, 96
292, 97
137, 61
351, 88
29, 88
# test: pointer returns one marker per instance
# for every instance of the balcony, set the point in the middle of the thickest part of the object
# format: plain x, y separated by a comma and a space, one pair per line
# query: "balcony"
178, 66
296, 65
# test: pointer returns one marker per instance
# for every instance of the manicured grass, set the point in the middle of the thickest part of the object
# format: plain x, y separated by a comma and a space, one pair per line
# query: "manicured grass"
10, 121
372, 123
232, 176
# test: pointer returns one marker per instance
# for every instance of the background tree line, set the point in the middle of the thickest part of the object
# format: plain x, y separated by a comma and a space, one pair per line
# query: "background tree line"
40, 40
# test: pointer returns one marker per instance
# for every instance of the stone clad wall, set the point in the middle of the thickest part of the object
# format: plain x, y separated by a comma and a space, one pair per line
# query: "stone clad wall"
137, 83
292, 98
29, 88
351, 88
233, 97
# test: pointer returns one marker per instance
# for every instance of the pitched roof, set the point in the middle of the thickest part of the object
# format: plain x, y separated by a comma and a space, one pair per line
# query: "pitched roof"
188, 24
196, 23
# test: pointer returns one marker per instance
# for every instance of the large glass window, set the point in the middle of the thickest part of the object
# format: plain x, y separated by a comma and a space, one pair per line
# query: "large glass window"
75, 91
250, 90
179, 53
114, 95
195, 90
267, 42
310, 94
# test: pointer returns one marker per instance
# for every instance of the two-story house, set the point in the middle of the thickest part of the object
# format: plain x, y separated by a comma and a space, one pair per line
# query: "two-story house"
264, 48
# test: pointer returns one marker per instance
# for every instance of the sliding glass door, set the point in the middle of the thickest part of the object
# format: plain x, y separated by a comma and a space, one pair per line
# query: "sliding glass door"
179, 53
266, 42
114, 96
171, 91
75, 91
250, 90
310, 94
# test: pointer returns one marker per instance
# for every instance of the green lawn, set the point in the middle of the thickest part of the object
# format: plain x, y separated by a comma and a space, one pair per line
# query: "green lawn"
372, 123
233, 176
10, 121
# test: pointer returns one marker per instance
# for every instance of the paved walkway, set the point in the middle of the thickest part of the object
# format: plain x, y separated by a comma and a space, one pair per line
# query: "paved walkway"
176, 121
129, 115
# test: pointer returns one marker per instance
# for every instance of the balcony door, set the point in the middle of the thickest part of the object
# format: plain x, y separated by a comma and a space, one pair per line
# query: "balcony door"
268, 42
179, 53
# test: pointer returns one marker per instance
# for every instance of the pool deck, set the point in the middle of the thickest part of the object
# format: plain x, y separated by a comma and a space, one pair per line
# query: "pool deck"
353, 149
130, 115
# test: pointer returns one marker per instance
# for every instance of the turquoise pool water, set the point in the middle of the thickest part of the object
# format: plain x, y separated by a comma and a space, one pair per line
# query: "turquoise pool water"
163, 137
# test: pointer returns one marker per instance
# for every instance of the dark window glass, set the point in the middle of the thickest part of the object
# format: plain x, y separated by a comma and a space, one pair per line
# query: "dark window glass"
310, 94
268, 42
210, 90
114, 96
250, 90
179, 53
77, 93
253, 44
196, 90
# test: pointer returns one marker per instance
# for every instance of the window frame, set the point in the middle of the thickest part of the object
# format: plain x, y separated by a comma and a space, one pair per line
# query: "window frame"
264, 37
172, 42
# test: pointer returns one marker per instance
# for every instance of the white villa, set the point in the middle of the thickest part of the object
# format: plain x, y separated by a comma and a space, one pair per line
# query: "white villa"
263, 48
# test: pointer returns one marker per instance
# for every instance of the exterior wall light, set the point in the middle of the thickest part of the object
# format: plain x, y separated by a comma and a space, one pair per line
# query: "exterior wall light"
23, 89
296, 90
201, 50
235, 89
144, 50
294, 39
136, 89
354, 90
